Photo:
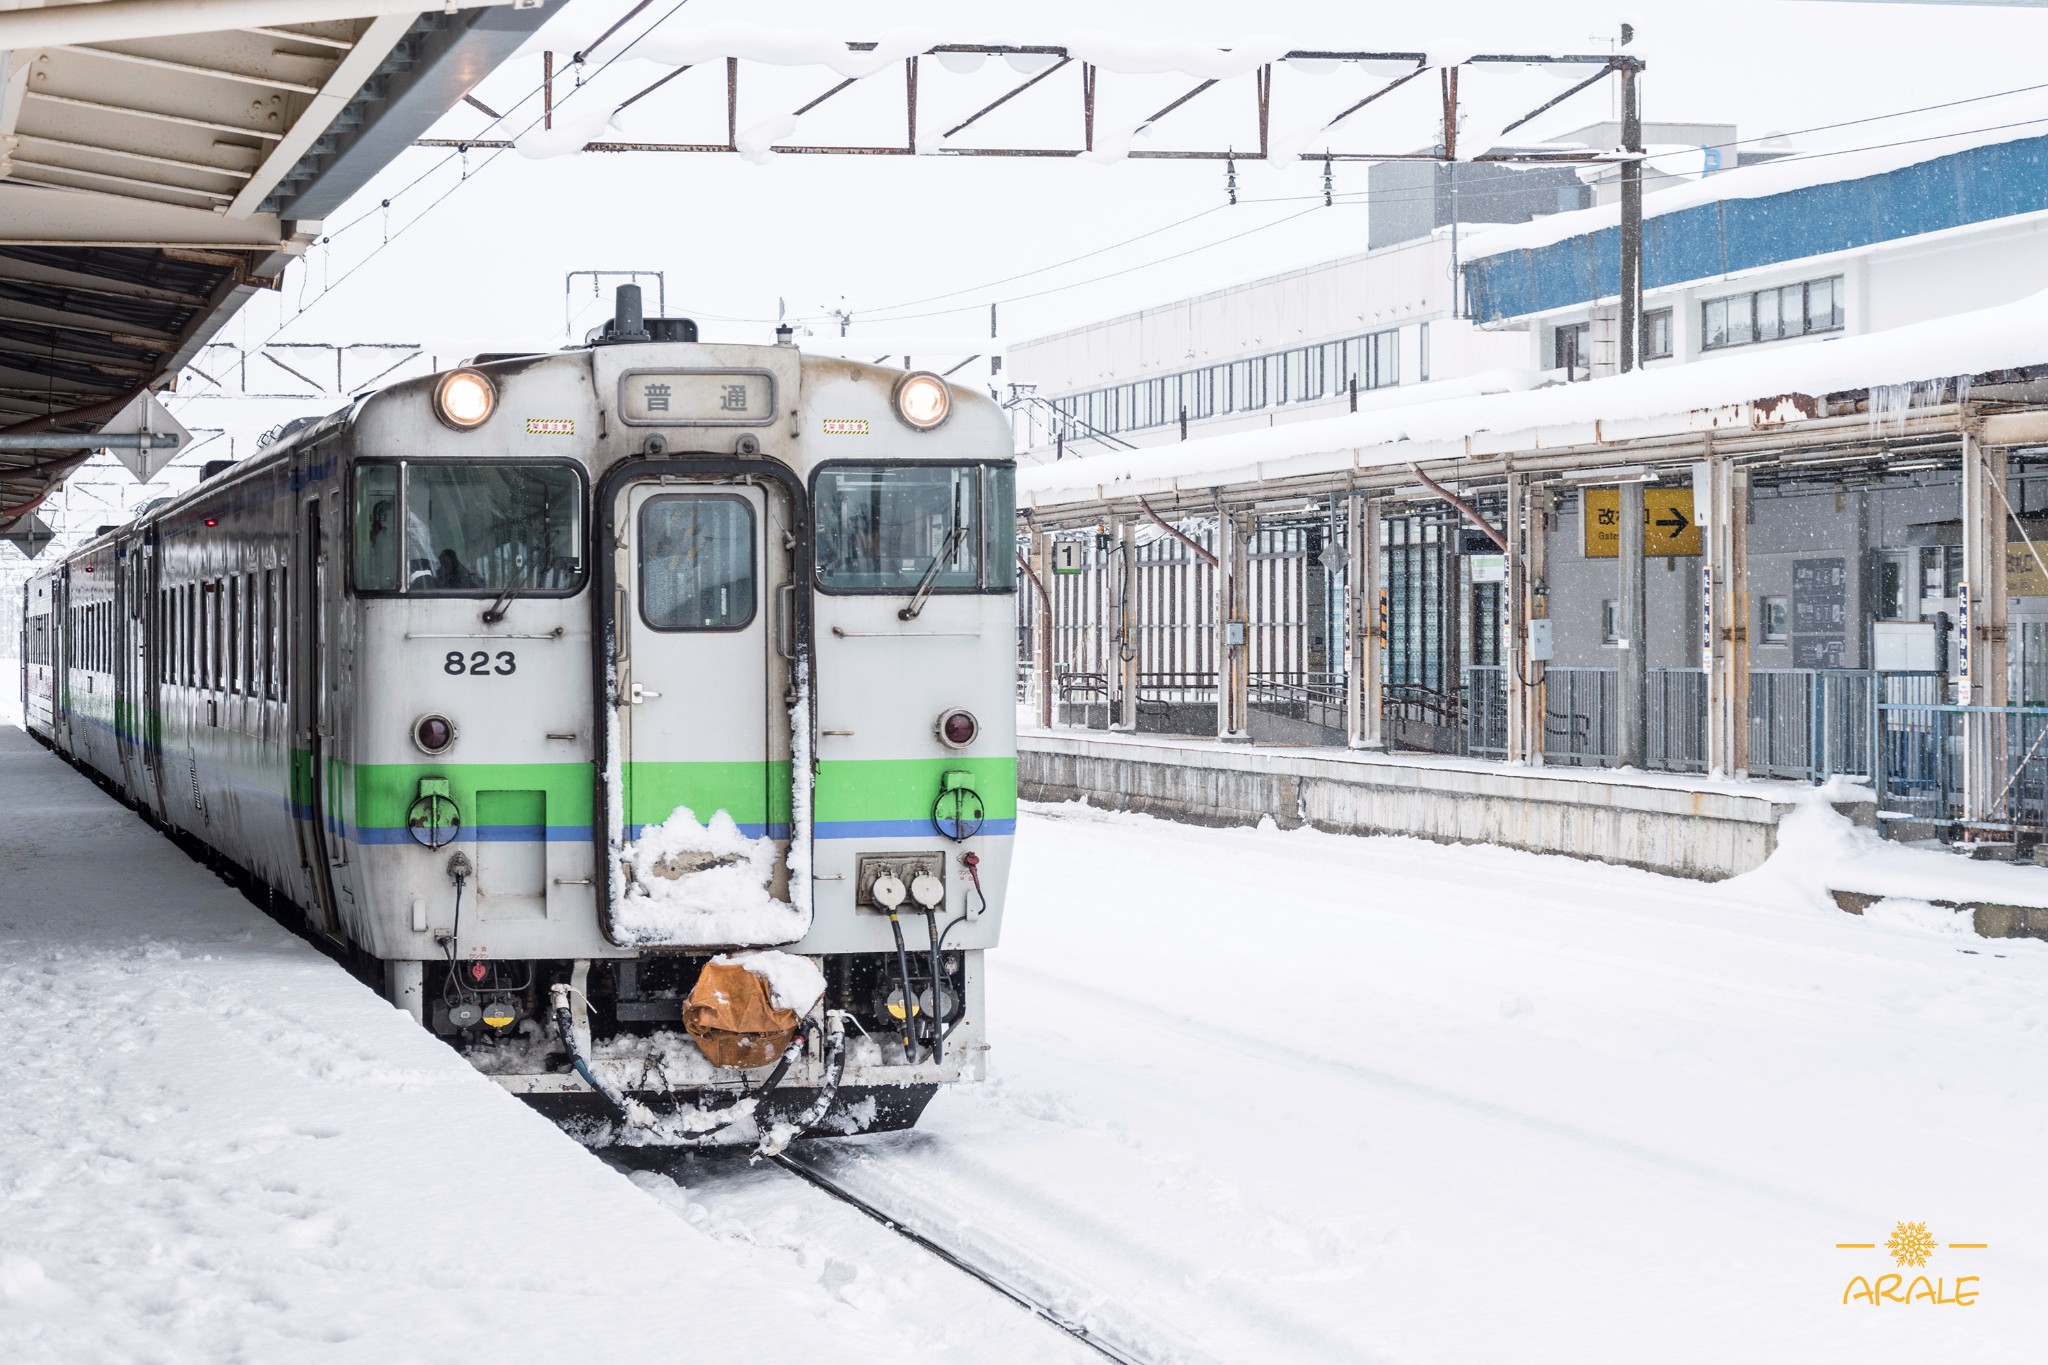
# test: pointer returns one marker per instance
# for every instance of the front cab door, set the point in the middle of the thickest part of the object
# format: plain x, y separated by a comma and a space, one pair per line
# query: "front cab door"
703, 707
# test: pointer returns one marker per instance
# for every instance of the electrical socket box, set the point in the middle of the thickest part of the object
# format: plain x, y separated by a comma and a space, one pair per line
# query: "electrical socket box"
869, 868
1541, 644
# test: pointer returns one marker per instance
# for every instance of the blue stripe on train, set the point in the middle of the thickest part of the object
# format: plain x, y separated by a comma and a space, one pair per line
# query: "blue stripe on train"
556, 834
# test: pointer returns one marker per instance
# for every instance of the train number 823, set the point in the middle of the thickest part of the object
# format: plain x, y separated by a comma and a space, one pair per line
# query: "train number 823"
479, 662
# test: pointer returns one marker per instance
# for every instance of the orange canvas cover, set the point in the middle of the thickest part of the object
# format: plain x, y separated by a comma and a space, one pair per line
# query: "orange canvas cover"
733, 1020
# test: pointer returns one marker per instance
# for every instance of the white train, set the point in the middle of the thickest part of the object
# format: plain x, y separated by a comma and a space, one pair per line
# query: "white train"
642, 714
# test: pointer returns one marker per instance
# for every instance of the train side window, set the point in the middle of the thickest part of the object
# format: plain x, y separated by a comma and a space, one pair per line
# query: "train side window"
284, 633
231, 673
376, 528
251, 686
999, 490
266, 636
696, 562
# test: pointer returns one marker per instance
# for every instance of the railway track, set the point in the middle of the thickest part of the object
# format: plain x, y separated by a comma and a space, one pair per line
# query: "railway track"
994, 1280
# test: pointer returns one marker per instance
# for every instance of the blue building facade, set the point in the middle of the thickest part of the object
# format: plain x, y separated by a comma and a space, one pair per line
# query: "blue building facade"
1981, 184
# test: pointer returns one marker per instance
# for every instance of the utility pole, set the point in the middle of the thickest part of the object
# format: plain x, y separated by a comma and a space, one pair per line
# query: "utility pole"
1631, 209
1632, 732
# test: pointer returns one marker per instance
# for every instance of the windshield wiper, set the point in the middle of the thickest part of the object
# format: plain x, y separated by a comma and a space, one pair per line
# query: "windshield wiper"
931, 575
496, 611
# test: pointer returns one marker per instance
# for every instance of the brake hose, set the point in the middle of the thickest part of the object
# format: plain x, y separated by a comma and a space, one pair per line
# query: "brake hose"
828, 1090
636, 1114
909, 996
566, 1027
935, 1017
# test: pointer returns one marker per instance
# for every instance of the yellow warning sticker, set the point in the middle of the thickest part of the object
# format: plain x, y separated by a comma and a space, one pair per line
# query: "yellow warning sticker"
846, 426
550, 426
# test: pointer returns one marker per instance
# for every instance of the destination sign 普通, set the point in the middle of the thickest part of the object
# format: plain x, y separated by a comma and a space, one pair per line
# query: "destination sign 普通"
697, 397
1668, 525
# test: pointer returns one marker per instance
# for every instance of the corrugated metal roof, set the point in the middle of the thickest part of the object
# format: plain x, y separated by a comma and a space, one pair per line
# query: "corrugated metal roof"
148, 185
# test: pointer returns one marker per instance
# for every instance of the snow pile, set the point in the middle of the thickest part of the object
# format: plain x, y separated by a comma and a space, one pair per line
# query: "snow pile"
794, 983
1820, 850
695, 884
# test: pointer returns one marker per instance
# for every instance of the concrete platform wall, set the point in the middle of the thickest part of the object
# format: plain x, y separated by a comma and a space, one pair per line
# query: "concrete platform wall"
1706, 833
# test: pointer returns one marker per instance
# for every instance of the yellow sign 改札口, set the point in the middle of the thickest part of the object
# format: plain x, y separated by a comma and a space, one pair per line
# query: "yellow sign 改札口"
1668, 525
2023, 576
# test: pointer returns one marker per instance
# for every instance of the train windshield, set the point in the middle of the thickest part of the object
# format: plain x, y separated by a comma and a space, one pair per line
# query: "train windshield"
471, 529
883, 528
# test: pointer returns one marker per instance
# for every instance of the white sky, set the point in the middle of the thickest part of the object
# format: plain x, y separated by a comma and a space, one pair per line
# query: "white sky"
485, 267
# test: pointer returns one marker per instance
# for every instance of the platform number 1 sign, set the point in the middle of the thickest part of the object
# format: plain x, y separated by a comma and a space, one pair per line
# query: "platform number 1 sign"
1069, 556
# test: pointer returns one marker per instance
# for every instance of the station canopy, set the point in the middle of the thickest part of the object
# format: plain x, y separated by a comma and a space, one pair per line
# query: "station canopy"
152, 178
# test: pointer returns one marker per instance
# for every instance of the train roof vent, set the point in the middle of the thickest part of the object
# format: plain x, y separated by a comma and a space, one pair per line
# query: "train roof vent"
629, 324
213, 467
105, 528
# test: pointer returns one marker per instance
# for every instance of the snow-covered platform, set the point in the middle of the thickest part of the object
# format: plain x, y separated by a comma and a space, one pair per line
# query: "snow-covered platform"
1676, 823
215, 1145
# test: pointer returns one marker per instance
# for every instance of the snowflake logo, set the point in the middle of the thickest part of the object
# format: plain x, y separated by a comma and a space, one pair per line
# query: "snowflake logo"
1910, 1244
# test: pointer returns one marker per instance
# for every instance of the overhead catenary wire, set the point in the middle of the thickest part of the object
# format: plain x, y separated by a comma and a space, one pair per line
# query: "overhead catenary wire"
385, 203
894, 312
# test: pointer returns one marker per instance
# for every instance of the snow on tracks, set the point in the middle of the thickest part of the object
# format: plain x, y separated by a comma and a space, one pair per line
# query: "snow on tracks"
216, 1146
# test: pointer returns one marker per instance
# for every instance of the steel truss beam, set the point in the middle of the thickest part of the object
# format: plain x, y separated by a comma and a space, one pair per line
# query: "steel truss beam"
1600, 65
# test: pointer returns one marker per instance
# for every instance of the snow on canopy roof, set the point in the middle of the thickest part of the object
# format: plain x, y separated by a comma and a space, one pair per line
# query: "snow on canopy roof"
1444, 415
2012, 118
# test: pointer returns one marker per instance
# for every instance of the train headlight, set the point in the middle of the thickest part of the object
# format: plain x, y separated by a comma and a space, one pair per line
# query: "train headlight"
465, 399
433, 734
957, 729
923, 400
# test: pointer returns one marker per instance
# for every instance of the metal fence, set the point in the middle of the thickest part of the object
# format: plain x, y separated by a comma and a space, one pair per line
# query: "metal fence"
1983, 767
1486, 710
1808, 724
1677, 720
1314, 698
1579, 717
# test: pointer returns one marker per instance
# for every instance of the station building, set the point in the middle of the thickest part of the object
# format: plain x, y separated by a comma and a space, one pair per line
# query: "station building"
1808, 539
1498, 277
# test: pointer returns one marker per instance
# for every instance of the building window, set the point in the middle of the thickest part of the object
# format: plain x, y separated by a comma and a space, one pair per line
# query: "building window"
1422, 353
1383, 359
1772, 314
1657, 334
1777, 620
1571, 349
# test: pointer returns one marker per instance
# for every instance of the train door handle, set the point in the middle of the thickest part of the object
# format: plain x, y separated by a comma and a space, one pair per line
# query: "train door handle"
641, 694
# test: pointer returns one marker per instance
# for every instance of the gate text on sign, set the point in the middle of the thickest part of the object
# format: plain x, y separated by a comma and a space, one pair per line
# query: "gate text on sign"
1668, 524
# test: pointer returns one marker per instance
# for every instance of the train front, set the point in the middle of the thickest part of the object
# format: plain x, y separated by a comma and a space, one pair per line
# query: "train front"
795, 761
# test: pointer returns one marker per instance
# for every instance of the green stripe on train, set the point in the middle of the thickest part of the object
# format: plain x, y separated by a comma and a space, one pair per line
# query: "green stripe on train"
859, 789
386, 791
